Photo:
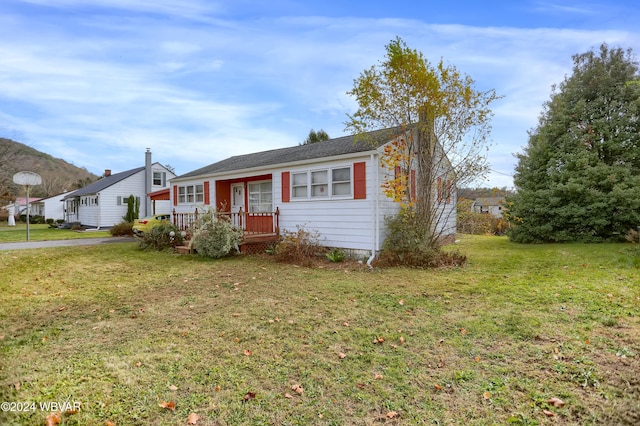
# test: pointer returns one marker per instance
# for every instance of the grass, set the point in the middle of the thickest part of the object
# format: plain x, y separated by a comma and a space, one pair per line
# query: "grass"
40, 232
124, 331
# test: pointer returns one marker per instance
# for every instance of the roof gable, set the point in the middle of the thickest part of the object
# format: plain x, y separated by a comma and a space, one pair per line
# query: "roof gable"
325, 149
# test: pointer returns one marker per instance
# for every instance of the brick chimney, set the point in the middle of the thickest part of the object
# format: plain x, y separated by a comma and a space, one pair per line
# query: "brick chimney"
107, 172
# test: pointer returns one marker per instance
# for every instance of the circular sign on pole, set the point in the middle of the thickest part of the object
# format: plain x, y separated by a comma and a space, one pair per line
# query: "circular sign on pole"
27, 178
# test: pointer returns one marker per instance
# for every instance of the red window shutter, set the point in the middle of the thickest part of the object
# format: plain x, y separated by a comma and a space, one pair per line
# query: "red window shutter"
397, 172
175, 195
449, 188
286, 187
359, 180
207, 199
439, 190
413, 185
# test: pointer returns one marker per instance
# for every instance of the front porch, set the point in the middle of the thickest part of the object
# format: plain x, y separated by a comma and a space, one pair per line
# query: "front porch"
258, 229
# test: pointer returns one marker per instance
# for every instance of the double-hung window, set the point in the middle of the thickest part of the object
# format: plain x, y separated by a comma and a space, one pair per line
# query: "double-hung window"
190, 194
317, 184
260, 197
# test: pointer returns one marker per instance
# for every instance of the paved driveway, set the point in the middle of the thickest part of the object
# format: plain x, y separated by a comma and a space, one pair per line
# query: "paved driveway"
65, 243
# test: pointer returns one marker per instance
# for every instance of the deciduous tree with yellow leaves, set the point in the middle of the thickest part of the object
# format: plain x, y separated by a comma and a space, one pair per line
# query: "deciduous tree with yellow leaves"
442, 125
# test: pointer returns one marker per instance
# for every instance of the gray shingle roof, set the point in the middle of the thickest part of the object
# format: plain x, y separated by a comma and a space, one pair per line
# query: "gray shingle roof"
324, 149
103, 183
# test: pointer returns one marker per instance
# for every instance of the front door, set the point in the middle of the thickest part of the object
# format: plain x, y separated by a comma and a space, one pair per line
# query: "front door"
237, 203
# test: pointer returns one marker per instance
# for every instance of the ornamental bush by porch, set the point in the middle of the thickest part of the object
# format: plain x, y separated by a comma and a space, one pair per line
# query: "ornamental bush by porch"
215, 237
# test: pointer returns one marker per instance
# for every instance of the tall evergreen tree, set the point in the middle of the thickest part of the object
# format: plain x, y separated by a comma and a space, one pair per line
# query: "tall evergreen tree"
578, 179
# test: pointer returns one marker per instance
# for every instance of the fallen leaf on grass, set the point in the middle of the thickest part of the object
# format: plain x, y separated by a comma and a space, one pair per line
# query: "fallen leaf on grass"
297, 389
247, 352
138, 364
173, 387
248, 396
193, 419
486, 395
401, 340
378, 376
463, 331
109, 423
53, 419
288, 395
169, 405
437, 386
342, 355
548, 413
218, 388
392, 414
556, 402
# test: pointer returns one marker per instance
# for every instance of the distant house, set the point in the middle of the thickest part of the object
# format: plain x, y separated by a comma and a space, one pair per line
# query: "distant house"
19, 206
50, 207
489, 205
332, 187
104, 202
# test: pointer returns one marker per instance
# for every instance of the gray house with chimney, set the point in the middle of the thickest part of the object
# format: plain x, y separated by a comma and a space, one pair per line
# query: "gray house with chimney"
104, 203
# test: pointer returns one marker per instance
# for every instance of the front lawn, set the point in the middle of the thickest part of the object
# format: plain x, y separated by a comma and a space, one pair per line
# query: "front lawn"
40, 232
139, 337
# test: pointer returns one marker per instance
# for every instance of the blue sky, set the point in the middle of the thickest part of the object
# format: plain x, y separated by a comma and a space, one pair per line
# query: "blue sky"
96, 82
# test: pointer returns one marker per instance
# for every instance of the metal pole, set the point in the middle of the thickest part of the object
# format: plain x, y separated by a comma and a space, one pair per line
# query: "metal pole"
27, 212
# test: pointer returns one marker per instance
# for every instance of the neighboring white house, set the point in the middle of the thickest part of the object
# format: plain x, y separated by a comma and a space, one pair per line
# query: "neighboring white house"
104, 202
489, 205
332, 187
50, 208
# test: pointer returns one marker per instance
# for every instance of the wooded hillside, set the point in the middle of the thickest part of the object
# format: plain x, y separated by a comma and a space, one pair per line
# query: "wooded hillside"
57, 174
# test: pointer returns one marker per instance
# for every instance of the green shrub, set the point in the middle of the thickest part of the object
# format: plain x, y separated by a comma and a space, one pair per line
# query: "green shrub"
160, 237
299, 247
215, 237
405, 246
336, 255
123, 228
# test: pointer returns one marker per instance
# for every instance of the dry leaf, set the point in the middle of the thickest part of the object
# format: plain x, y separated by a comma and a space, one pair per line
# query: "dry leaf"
401, 340
556, 402
548, 413
169, 405
392, 414
297, 389
476, 358
288, 395
62, 308
16, 385
173, 387
193, 419
346, 324
437, 386
401, 302
342, 355
247, 352
138, 364
53, 419
463, 331
378, 376
249, 395
486, 395
109, 423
